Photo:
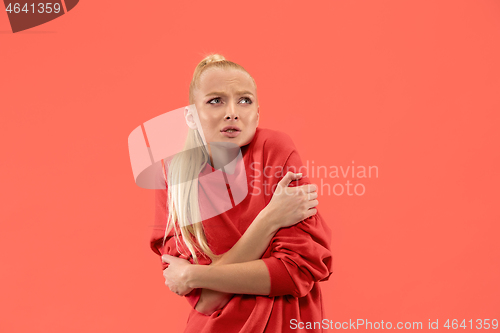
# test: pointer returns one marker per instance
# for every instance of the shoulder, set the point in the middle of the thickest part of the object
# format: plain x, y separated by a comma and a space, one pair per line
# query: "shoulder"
273, 147
274, 140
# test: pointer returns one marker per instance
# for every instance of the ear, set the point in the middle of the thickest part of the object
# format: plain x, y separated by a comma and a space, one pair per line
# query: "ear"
189, 118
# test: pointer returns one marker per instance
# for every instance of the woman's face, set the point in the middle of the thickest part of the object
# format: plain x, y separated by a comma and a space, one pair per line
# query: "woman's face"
225, 100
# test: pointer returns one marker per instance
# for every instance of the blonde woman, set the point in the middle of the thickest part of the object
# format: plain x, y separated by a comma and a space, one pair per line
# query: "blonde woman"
255, 267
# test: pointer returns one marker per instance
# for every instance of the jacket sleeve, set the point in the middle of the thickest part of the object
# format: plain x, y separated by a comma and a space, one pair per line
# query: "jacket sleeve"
300, 255
157, 235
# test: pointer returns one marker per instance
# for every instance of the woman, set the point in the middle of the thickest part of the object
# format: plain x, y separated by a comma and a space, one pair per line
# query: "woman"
254, 267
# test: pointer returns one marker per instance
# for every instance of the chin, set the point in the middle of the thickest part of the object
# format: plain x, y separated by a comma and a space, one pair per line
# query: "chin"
245, 141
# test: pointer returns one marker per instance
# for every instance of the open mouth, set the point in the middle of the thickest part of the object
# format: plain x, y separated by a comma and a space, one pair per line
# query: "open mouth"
231, 129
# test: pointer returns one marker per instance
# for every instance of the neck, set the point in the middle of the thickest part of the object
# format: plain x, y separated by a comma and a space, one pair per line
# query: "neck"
222, 154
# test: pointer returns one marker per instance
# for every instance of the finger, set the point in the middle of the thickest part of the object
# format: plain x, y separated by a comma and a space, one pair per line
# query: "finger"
305, 189
312, 195
308, 188
310, 212
285, 181
313, 203
167, 258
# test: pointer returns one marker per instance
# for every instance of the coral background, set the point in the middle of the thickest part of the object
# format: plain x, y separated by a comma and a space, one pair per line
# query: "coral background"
409, 87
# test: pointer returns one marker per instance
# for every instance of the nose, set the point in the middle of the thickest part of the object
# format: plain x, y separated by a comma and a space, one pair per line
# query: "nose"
231, 113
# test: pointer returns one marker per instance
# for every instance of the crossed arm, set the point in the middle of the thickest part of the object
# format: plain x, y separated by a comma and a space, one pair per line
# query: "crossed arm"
238, 271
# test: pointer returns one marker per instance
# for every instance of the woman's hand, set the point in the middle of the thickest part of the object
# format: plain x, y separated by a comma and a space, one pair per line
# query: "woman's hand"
290, 205
176, 274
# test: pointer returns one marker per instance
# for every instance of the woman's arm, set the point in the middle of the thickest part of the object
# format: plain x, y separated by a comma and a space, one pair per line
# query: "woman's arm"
255, 240
250, 246
300, 256
288, 206
250, 277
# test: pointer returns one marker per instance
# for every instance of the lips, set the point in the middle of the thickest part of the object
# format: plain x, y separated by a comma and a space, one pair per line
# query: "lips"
231, 129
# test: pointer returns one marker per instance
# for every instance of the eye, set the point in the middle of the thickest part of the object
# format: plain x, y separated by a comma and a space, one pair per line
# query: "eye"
213, 99
248, 99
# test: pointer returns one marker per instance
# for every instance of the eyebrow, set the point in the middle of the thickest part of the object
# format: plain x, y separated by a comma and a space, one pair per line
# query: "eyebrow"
245, 92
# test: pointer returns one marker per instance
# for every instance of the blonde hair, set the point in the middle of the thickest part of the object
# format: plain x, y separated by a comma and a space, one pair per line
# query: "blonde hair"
182, 176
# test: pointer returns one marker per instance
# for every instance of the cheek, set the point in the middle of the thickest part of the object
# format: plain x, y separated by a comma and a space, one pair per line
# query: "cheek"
212, 126
255, 120
208, 123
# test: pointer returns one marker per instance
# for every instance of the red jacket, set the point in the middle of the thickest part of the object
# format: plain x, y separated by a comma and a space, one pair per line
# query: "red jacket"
297, 258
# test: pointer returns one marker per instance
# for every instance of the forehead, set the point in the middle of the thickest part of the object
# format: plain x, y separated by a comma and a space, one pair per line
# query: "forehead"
224, 79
